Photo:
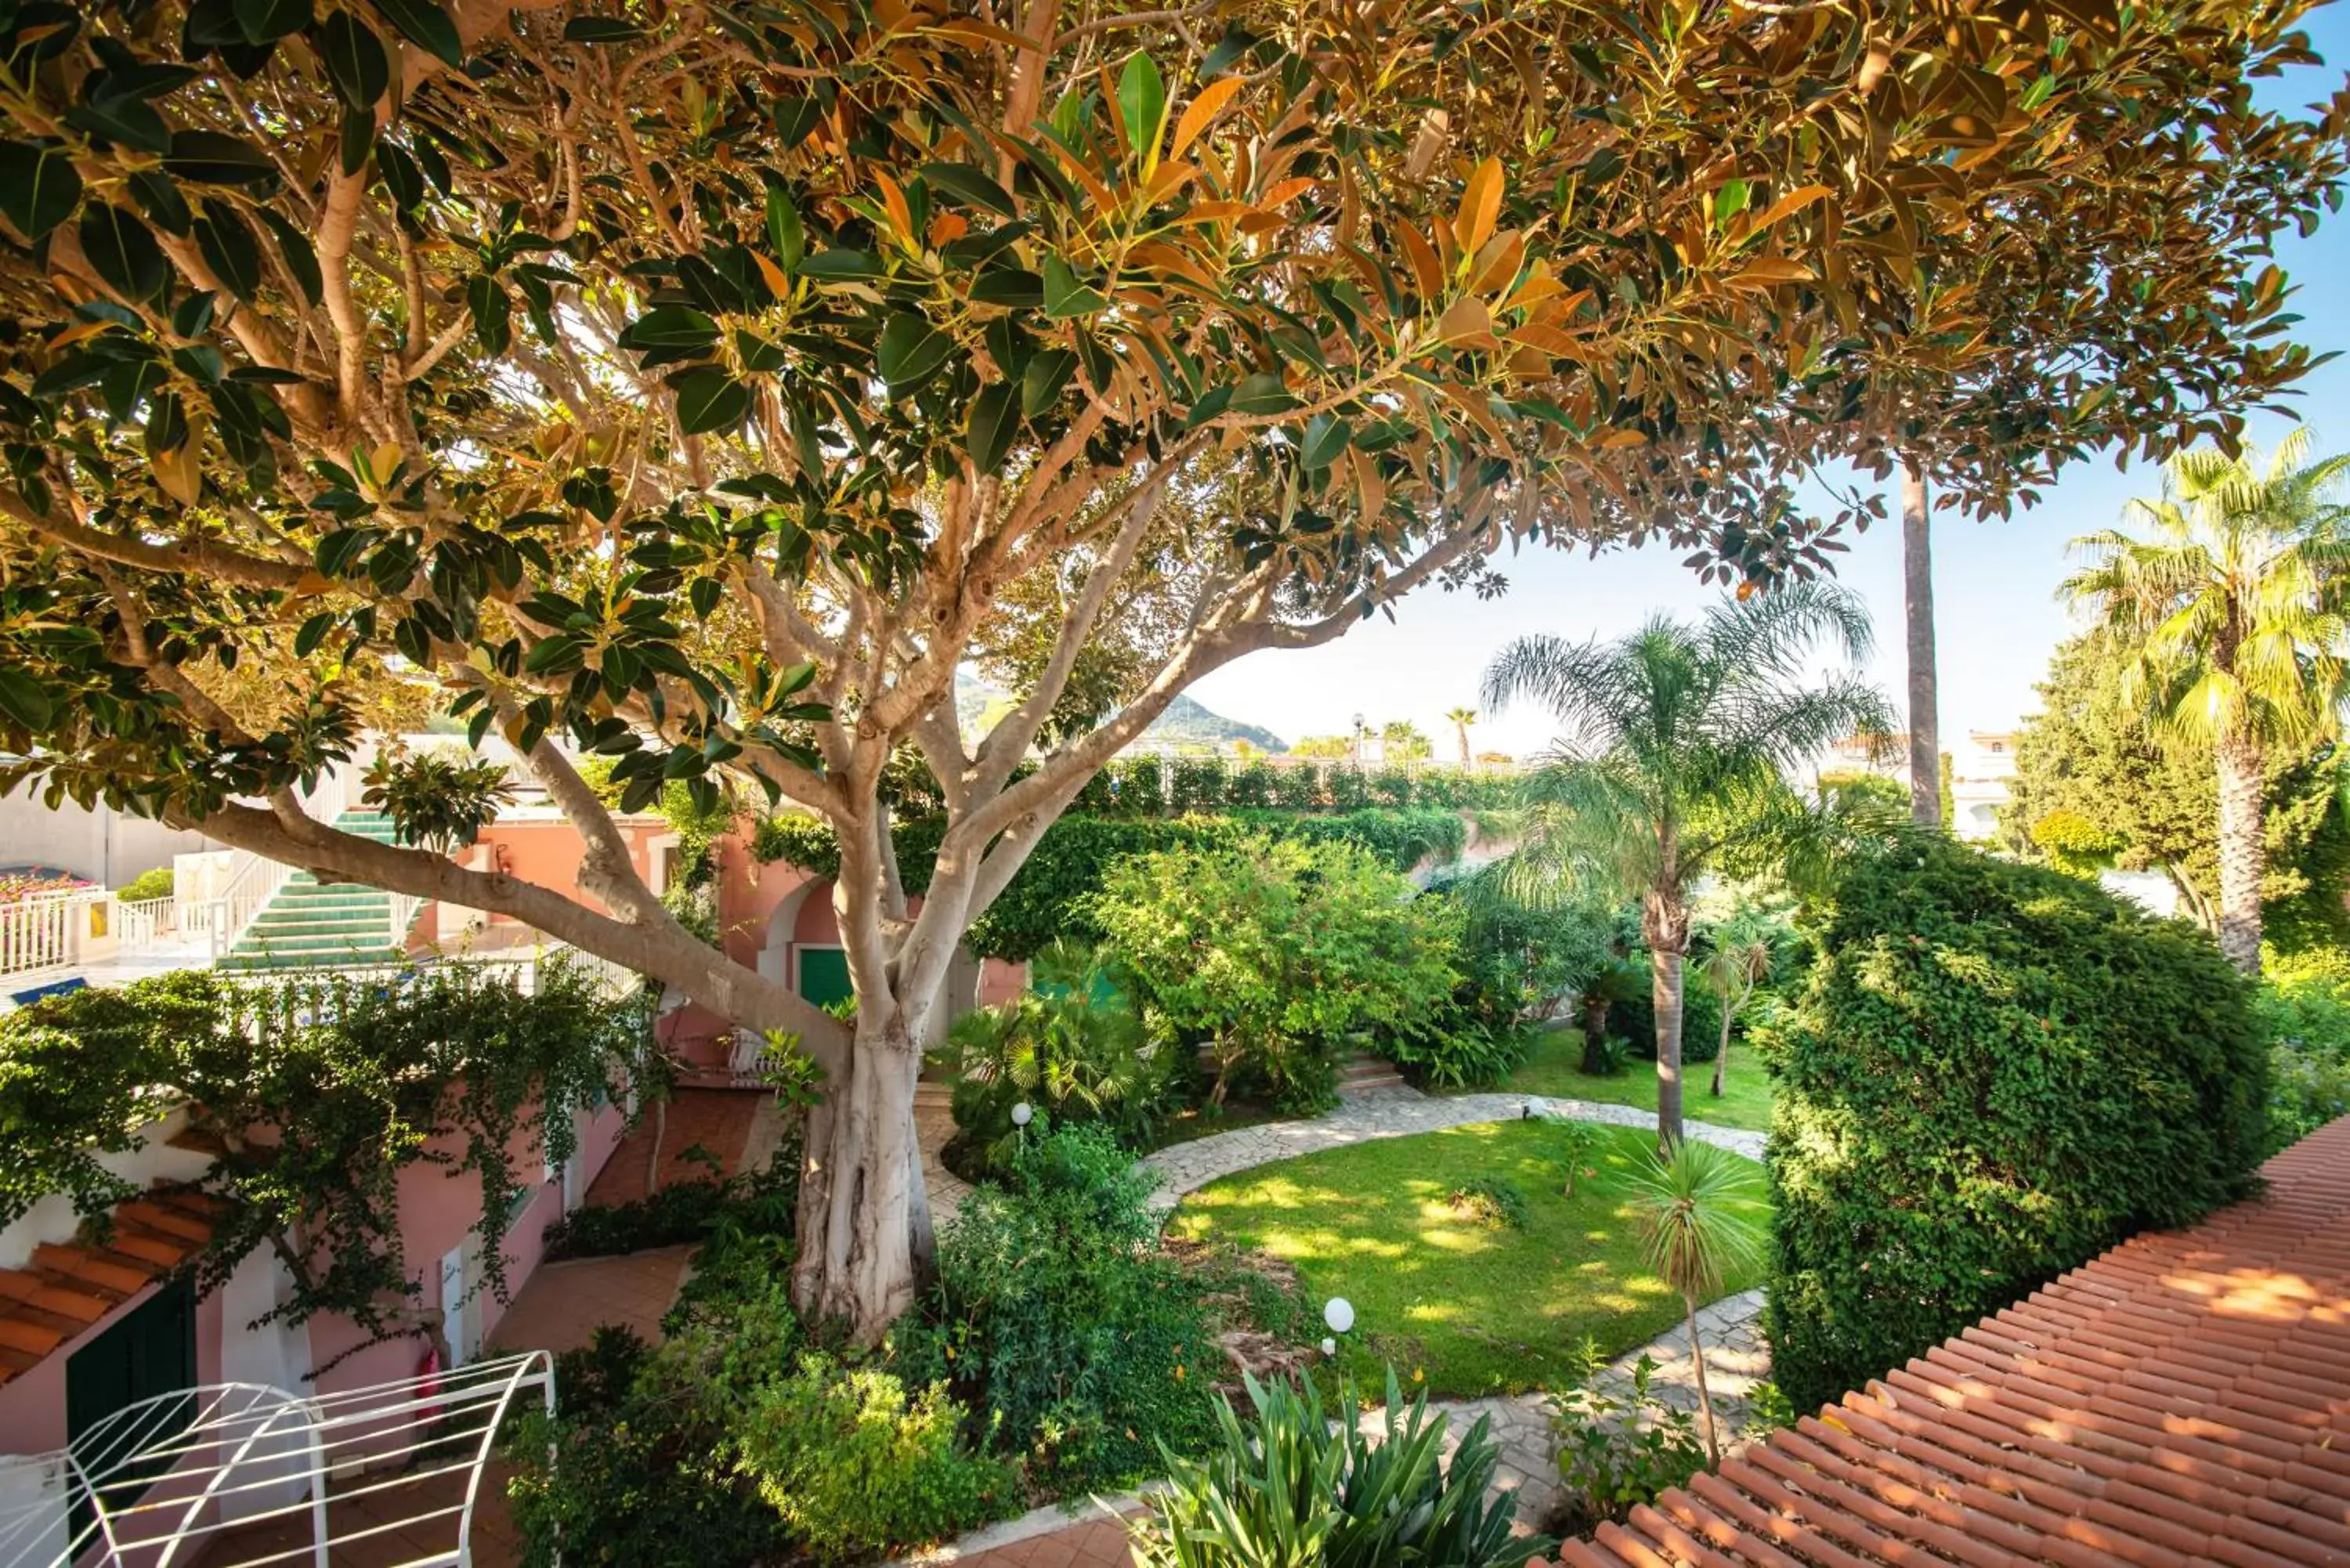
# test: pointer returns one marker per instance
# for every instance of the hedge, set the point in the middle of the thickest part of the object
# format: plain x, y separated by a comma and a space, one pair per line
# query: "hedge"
1041, 903
1995, 1073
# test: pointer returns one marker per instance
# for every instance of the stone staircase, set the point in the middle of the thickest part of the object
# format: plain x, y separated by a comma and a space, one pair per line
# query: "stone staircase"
308, 923
1364, 1071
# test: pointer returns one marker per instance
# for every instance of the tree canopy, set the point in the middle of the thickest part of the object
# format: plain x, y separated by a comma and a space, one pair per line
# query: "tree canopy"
701, 384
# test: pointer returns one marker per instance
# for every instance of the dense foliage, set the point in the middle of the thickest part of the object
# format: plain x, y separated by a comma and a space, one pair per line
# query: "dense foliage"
1274, 954
2094, 785
1046, 900
679, 1212
1617, 1450
1075, 1046
1994, 1073
1294, 1486
1075, 1345
322, 1092
2303, 1011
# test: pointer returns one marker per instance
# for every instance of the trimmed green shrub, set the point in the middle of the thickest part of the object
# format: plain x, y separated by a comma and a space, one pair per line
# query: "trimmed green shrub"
857, 1464
1074, 1343
1632, 1015
1995, 1073
155, 884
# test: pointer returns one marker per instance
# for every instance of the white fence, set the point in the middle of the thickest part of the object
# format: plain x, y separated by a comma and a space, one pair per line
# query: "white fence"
37, 933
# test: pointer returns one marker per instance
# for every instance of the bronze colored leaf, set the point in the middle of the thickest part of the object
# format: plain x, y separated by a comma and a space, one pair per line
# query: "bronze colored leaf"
1481, 206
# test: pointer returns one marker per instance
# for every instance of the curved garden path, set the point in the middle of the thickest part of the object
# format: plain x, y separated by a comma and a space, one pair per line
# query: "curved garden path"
1076, 1535
1185, 1168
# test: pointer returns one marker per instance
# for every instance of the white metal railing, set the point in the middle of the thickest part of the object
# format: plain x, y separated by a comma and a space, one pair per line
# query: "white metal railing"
144, 923
254, 880
227, 1473
37, 932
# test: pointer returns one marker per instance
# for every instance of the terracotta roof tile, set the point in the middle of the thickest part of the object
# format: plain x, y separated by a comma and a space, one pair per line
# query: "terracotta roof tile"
2181, 1402
72, 1285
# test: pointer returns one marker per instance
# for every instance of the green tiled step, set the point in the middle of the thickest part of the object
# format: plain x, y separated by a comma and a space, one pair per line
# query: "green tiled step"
309, 924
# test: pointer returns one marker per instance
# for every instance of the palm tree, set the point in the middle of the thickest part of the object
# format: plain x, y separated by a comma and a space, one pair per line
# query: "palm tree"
1743, 950
1917, 606
1671, 758
1461, 719
2230, 610
1700, 1219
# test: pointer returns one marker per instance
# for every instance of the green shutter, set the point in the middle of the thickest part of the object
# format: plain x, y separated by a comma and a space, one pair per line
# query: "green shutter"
151, 1350
824, 975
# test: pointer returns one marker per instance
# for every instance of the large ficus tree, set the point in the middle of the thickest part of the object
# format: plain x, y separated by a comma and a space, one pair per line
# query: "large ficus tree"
701, 384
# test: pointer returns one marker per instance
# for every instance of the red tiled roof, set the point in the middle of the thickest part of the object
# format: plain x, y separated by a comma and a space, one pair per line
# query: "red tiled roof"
2181, 1402
71, 1286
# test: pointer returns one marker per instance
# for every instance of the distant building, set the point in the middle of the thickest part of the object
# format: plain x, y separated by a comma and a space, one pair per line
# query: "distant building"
1982, 773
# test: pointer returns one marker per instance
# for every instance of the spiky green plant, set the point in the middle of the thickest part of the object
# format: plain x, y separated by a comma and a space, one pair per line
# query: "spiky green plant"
1700, 1211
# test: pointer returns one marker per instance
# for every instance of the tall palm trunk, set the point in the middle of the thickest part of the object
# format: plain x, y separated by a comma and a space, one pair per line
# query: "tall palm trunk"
1704, 1397
1918, 595
2243, 849
1722, 1052
1595, 1032
1664, 922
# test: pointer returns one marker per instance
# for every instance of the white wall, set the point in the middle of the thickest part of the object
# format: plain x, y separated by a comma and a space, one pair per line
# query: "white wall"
105, 846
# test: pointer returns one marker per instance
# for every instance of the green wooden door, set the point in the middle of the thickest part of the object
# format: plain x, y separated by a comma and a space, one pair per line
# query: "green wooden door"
824, 975
151, 1351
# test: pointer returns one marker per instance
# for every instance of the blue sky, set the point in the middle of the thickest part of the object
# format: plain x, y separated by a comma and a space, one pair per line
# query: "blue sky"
1994, 583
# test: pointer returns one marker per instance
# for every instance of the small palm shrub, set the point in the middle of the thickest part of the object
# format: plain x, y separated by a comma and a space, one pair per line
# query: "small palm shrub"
1289, 1490
1074, 1048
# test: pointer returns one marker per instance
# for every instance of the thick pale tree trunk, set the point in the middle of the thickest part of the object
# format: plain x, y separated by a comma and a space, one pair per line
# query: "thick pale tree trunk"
1918, 598
2244, 850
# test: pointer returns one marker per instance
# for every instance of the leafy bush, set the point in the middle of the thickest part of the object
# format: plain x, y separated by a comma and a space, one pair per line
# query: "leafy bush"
155, 884
1275, 952
2304, 1012
1494, 1201
1632, 1016
1617, 1454
1294, 1488
1198, 785
1995, 1073
1077, 1052
1572, 1147
435, 797
858, 1465
679, 1212
1058, 1323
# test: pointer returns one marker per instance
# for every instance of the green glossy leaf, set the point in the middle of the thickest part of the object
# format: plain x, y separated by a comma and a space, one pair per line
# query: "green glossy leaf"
122, 251
493, 311
1142, 102
314, 632
192, 316
425, 24
971, 187
1326, 436
1065, 297
910, 351
841, 264
39, 188
228, 248
1041, 383
355, 60
994, 423
301, 257
669, 326
1015, 289
355, 142
708, 398
214, 158
126, 122
267, 21
785, 235
167, 424
160, 199
1261, 393
24, 701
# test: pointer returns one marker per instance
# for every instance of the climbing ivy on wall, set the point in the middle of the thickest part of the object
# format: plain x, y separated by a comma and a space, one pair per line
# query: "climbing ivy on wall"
319, 1092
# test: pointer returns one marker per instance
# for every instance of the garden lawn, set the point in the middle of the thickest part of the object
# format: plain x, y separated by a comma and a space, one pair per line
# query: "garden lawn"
1457, 1307
1551, 1069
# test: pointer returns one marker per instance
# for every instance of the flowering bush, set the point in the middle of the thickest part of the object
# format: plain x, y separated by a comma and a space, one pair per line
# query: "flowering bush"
16, 885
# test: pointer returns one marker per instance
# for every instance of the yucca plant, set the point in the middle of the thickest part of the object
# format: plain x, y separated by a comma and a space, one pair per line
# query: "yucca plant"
1700, 1216
1293, 1491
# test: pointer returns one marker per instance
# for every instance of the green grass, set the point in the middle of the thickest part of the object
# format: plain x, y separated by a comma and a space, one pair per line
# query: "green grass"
1465, 1309
1551, 1069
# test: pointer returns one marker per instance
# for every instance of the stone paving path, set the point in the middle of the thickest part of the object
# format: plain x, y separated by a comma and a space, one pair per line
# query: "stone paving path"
1185, 1168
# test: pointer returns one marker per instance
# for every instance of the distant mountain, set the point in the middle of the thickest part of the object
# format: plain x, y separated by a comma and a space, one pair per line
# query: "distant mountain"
1186, 720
